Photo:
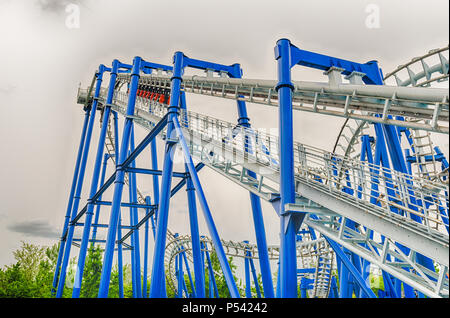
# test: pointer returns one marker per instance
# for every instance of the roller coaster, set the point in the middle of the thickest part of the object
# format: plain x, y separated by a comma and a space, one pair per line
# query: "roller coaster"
379, 199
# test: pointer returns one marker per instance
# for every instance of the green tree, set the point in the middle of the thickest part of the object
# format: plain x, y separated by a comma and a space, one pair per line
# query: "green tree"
29, 257
92, 272
32, 274
13, 282
222, 286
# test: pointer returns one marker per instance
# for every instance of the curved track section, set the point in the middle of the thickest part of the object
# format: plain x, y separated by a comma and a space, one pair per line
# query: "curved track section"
310, 254
348, 140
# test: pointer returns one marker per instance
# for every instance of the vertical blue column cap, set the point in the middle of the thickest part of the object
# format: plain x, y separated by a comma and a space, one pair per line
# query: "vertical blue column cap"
136, 65
373, 74
233, 71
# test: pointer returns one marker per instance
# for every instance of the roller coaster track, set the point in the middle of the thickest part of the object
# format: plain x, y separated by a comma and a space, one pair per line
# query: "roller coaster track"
319, 189
354, 100
353, 129
308, 252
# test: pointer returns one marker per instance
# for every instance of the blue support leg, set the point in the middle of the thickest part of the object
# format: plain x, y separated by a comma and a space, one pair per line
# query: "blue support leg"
94, 183
146, 237
119, 182
77, 196
188, 271
214, 292
248, 285
120, 257
97, 211
157, 288
289, 223
193, 222
255, 278
258, 221
196, 250
69, 204
134, 220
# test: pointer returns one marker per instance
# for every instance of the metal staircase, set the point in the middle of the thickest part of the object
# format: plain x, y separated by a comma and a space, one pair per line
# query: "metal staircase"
322, 276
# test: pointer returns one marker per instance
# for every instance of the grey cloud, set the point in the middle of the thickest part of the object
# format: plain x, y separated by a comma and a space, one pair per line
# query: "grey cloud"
36, 228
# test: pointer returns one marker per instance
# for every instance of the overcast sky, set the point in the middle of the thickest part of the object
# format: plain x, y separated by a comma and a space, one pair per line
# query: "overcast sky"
43, 62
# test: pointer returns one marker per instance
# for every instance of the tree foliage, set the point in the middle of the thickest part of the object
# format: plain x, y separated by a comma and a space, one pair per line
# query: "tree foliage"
31, 275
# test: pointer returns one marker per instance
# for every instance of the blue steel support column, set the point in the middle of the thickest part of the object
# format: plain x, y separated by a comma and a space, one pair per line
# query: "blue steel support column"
69, 204
278, 291
120, 257
258, 220
157, 280
118, 184
154, 160
180, 278
261, 242
146, 236
193, 222
134, 220
372, 73
196, 250
132, 254
154, 165
116, 137
119, 226
289, 223
255, 278
212, 280
188, 270
77, 196
97, 211
94, 182
248, 290
387, 140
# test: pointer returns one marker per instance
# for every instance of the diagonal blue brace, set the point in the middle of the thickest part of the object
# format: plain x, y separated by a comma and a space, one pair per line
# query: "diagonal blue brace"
352, 269
207, 214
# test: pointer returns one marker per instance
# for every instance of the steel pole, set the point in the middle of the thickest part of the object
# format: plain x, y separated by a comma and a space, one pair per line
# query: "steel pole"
157, 288
79, 187
94, 182
193, 222
118, 184
146, 237
97, 211
134, 220
288, 223
69, 204
258, 220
